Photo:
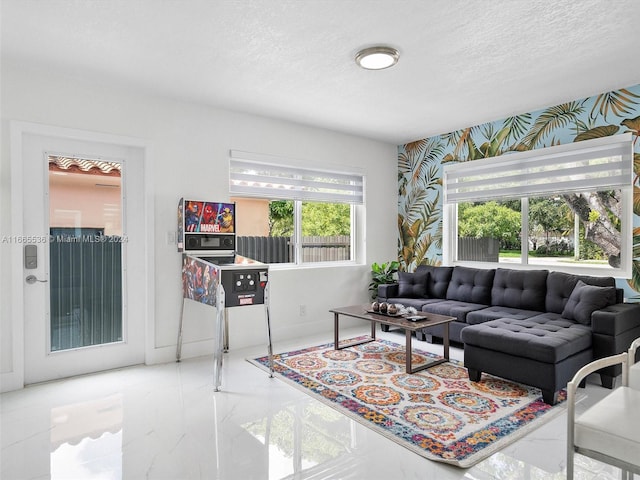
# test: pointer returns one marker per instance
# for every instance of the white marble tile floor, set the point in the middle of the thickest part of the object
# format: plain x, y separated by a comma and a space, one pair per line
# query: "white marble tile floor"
166, 422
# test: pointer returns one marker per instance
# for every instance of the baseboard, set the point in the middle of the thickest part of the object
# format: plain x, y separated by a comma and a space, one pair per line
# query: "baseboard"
10, 381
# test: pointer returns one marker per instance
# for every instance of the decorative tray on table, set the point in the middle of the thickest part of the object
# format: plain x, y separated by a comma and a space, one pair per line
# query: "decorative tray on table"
397, 314
412, 317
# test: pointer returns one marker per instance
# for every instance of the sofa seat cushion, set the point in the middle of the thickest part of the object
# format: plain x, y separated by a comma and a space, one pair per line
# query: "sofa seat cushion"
546, 341
495, 313
453, 308
546, 317
416, 303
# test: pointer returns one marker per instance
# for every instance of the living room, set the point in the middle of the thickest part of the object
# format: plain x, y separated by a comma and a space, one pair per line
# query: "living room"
185, 145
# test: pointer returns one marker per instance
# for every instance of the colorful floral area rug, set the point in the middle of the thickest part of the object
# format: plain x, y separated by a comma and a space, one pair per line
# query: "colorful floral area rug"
437, 413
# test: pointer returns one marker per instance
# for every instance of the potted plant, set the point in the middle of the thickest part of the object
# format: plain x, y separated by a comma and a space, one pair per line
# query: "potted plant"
382, 274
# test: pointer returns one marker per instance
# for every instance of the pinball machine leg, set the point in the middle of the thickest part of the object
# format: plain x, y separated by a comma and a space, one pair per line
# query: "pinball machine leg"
219, 347
225, 345
179, 343
269, 344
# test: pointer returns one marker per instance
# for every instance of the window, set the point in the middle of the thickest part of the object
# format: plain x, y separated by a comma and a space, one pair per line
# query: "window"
293, 214
567, 207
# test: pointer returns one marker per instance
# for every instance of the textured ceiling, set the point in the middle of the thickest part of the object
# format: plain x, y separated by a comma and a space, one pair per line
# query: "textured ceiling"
462, 62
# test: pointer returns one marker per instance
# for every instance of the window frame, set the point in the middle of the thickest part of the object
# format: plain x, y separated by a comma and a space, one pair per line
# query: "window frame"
450, 214
301, 194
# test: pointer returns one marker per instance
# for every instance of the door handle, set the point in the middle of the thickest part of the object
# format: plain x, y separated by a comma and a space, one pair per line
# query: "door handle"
31, 279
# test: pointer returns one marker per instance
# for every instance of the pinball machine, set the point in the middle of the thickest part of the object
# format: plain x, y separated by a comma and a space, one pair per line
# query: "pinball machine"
214, 274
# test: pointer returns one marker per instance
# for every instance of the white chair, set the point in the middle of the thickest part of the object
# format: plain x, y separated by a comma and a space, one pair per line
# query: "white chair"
608, 431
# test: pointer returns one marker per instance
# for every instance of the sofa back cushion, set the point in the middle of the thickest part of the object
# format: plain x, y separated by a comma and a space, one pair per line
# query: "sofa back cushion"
437, 280
471, 285
525, 289
560, 285
412, 285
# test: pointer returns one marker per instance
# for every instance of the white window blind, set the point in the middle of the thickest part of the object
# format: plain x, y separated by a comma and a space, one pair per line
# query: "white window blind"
257, 175
590, 165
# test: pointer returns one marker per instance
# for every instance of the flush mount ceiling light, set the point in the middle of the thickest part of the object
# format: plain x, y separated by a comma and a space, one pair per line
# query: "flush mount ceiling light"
377, 58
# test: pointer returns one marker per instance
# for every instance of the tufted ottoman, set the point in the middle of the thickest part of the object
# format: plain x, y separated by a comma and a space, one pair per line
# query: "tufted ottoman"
544, 351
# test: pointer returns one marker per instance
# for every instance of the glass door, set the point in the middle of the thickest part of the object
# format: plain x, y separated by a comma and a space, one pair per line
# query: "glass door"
85, 252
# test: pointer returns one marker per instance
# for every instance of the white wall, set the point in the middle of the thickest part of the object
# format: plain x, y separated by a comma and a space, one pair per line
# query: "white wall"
188, 153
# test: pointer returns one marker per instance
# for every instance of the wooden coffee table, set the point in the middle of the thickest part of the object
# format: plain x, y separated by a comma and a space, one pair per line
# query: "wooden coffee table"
409, 326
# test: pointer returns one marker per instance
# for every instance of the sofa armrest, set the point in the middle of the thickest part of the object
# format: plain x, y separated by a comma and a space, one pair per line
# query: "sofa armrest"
388, 290
614, 328
616, 319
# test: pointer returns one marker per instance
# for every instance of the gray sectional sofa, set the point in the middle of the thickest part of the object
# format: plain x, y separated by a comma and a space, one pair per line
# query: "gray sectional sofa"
537, 327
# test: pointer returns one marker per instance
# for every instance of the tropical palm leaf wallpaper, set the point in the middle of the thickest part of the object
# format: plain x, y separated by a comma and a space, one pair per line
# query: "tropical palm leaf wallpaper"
420, 163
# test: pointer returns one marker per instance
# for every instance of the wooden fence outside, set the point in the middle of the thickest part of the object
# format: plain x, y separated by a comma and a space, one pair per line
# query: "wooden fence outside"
281, 249
478, 249
85, 291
